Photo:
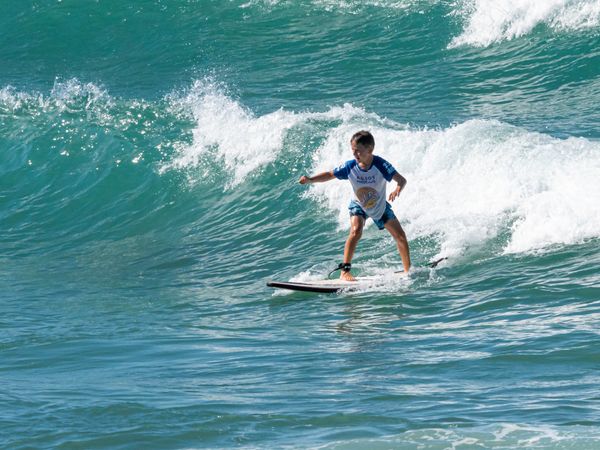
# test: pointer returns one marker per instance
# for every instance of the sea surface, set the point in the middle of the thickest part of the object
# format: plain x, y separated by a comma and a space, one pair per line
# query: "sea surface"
149, 161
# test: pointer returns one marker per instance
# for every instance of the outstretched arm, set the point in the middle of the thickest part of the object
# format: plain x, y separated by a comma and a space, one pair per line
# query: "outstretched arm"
401, 183
319, 178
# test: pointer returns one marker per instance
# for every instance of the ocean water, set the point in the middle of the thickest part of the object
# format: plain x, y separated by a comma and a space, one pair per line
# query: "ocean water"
149, 158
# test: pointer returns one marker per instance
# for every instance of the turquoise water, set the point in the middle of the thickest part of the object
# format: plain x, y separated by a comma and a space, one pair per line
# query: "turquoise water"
149, 157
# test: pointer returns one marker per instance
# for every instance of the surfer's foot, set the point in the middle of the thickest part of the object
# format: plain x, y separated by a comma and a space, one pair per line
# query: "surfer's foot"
347, 276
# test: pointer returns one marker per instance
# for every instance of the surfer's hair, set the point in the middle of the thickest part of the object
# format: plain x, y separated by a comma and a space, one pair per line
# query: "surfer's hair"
363, 137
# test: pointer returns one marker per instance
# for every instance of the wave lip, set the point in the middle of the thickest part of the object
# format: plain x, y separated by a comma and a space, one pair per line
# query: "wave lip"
492, 21
232, 133
228, 134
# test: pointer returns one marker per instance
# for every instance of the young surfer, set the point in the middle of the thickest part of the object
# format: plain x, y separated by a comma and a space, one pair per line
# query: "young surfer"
368, 175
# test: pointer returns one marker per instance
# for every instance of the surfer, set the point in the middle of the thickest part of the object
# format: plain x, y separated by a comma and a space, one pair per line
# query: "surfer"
368, 174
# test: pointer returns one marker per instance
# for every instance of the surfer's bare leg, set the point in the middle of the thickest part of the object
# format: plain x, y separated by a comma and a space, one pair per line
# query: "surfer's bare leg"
395, 229
356, 227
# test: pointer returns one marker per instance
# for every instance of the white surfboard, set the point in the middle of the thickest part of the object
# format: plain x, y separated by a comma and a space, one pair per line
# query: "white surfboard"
325, 286
337, 285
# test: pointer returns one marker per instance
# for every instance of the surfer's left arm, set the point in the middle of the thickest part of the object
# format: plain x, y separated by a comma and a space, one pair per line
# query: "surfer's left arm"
401, 183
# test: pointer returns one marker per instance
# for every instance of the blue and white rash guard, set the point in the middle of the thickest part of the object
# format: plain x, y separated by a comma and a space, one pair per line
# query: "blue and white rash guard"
368, 185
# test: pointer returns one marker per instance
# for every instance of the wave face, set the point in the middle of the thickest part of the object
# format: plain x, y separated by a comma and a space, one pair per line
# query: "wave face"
149, 165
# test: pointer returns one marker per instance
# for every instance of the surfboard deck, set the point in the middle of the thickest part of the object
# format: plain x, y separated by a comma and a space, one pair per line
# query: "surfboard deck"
331, 286
323, 286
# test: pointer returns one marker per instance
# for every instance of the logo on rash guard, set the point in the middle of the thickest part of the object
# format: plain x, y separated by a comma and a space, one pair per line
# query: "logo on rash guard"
367, 197
365, 179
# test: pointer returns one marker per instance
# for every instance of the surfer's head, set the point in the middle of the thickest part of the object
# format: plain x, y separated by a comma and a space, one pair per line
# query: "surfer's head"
364, 138
363, 144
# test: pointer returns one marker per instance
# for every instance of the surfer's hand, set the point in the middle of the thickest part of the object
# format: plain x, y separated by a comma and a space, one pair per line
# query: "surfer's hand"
395, 193
304, 179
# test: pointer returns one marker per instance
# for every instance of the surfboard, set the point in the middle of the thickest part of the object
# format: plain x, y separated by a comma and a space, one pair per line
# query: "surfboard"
337, 285
324, 286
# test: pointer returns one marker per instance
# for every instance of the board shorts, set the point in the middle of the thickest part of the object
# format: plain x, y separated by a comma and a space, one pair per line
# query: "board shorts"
356, 210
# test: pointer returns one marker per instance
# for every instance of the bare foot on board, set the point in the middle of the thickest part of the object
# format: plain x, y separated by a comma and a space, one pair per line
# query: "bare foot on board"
347, 276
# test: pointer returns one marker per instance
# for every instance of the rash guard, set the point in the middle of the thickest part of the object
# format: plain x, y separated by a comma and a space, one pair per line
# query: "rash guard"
368, 185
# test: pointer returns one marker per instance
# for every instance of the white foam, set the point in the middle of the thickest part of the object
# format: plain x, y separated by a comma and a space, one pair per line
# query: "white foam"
65, 95
468, 185
472, 182
490, 21
243, 141
11, 100
74, 94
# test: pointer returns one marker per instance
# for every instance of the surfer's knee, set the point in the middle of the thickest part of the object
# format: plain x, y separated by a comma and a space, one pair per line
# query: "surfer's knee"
356, 231
401, 234
401, 237
396, 231
356, 227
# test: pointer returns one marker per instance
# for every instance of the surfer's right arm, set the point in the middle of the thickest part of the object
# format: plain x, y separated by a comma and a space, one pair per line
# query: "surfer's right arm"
318, 178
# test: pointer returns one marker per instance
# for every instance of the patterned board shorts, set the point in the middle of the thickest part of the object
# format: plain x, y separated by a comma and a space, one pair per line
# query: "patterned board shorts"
356, 210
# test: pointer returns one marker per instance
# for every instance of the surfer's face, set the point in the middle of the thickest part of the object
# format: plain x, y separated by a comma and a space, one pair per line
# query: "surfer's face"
362, 153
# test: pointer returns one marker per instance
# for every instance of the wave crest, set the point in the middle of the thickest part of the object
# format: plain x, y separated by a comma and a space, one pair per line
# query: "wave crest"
491, 21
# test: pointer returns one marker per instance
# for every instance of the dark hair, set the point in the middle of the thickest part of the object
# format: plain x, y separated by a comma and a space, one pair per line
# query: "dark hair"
364, 138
